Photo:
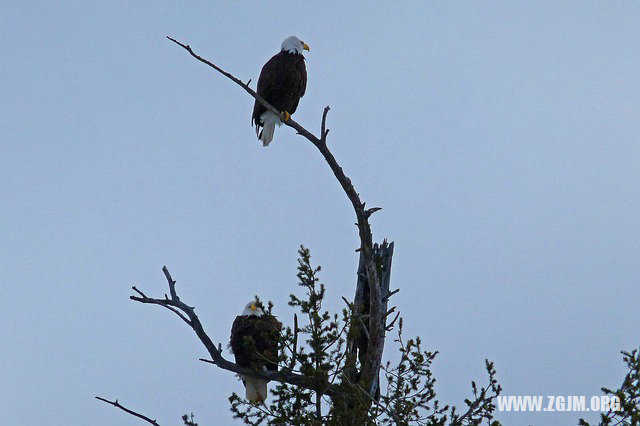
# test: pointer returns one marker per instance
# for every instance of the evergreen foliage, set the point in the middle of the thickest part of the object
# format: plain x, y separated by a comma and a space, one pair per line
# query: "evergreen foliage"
628, 394
317, 349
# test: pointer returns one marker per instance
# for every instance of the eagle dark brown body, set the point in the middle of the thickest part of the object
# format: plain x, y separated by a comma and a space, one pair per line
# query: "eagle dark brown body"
254, 341
282, 82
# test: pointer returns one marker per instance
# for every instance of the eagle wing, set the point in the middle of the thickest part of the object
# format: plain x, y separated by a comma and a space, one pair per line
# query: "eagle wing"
273, 328
255, 338
282, 82
298, 75
266, 85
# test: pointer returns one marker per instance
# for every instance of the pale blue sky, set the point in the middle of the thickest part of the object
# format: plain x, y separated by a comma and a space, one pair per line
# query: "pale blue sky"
500, 138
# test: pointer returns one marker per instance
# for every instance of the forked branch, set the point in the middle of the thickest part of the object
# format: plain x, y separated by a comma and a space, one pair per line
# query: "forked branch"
188, 315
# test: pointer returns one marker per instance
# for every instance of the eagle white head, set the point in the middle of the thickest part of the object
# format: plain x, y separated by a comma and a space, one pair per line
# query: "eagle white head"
294, 45
251, 309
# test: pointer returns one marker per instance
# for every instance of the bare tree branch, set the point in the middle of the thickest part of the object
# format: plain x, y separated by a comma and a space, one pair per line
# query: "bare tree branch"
391, 293
369, 212
185, 311
162, 302
323, 127
392, 323
320, 143
376, 284
126, 410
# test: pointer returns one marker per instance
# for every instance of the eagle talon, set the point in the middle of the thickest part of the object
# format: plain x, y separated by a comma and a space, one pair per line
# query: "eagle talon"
285, 116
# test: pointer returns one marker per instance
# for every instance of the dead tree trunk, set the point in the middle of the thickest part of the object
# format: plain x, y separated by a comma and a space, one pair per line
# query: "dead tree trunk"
364, 356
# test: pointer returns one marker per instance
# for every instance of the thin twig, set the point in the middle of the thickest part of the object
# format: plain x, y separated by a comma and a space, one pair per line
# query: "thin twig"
391, 293
391, 324
473, 405
172, 284
165, 303
323, 127
133, 413
294, 355
349, 304
338, 336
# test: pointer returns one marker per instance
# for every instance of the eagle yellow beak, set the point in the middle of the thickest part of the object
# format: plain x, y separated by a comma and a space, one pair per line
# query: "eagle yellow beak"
306, 47
253, 307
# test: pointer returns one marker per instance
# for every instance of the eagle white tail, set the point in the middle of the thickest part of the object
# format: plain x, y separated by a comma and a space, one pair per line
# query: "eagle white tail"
256, 389
269, 121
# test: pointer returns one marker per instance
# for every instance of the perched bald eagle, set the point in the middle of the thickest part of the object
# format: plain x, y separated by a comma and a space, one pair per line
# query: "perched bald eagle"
282, 83
254, 342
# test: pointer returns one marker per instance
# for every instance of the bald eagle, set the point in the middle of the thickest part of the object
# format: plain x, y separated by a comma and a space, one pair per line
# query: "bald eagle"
282, 83
254, 342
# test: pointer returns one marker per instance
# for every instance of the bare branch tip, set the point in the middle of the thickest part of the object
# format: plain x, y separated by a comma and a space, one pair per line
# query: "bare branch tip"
349, 305
390, 326
369, 212
178, 43
134, 288
129, 411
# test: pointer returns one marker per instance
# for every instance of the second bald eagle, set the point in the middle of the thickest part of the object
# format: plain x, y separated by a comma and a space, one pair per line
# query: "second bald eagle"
282, 82
255, 337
